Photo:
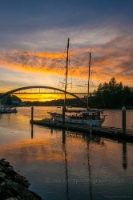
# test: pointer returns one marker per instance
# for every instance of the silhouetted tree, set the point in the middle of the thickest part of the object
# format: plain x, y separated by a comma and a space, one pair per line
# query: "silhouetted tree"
9, 100
112, 95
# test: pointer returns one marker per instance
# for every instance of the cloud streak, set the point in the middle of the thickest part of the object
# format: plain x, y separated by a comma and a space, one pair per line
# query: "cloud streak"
111, 59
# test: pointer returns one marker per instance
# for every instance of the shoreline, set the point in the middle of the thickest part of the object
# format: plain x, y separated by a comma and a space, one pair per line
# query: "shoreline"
13, 186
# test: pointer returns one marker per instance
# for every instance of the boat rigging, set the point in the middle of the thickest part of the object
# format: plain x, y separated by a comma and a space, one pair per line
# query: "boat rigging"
89, 117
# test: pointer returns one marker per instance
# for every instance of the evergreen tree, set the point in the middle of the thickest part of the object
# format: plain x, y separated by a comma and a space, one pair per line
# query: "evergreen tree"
112, 95
9, 100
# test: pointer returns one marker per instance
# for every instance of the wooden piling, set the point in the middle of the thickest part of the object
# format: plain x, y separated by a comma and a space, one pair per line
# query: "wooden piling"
63, 114
124, 120
32, 113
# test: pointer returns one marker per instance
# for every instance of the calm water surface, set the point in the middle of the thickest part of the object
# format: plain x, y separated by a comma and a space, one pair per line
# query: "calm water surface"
66, 165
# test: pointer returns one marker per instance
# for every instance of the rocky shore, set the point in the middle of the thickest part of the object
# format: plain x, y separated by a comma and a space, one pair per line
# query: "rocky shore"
14, 186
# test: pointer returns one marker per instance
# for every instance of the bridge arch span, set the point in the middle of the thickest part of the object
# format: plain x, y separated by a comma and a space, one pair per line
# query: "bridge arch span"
46, 87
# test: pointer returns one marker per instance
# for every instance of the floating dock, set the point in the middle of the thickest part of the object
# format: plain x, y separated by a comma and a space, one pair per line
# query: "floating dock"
101, 131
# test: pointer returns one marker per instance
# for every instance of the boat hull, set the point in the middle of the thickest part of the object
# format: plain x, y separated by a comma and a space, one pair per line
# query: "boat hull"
8, 111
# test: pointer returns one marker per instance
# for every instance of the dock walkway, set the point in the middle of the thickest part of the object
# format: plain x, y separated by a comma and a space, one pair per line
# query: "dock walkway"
105, 131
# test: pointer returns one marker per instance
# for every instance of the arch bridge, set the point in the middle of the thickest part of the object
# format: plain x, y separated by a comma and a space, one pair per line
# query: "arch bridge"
44, 87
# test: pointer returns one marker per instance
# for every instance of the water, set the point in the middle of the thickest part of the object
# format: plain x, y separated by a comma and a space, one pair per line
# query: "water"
68, 165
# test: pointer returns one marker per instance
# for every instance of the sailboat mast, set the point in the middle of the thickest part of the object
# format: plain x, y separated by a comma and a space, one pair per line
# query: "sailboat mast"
66, 73
89, 79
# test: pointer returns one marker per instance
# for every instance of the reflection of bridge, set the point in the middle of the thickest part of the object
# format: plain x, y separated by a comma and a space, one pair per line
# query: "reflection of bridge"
22, 89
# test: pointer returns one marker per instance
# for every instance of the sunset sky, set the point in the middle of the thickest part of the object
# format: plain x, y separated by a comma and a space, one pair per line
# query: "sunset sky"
33, 40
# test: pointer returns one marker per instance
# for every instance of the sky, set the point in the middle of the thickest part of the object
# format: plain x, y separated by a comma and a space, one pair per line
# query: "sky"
33, 41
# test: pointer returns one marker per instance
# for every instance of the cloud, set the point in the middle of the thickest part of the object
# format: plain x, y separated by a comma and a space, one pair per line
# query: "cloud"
45, 27
48, 63
116, 59
113, 58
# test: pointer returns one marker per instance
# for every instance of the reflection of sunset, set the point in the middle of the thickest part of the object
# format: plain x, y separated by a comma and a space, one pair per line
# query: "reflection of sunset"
50, 149
37, 149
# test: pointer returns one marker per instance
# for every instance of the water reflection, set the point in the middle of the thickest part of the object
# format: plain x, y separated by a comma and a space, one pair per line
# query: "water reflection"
88, 137
32, 131
51, 131
66, 162
124, 151
89, 168
101, 141
63, 137
78, 159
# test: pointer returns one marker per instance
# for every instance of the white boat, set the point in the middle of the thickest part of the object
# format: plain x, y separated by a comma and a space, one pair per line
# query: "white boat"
5, 109
89, 117
92, 117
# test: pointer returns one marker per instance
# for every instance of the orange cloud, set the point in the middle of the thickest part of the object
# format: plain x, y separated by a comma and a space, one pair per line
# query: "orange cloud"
112, 59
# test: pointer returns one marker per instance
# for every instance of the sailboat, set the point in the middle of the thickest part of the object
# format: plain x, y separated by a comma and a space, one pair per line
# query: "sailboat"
89, 117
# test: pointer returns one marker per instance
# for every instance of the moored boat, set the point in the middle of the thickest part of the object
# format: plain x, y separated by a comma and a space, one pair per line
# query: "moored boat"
5, 109
92, 117
89, 117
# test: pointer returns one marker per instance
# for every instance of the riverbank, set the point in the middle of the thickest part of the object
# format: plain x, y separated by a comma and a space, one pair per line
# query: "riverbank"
14, 186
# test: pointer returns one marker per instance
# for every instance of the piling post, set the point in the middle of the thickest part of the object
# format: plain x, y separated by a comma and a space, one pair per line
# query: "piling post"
63, 114
124, 120
32, 113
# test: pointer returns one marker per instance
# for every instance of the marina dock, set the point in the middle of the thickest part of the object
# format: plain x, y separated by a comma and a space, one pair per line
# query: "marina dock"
101, 131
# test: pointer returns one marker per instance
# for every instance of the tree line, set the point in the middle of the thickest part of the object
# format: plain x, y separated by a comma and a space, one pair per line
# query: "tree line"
111, 95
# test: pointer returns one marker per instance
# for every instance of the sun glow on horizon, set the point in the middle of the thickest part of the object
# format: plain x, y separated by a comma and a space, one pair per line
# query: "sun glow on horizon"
39, 97
45, 97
